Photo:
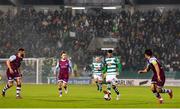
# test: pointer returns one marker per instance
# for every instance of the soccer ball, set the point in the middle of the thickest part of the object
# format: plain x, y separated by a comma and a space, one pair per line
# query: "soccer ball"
107, 97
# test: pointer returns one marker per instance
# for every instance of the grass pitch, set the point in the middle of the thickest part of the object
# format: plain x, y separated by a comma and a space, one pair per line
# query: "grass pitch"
85, 96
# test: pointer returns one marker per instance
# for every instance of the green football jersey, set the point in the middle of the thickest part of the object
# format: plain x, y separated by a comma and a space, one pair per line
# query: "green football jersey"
113, 66
97, 67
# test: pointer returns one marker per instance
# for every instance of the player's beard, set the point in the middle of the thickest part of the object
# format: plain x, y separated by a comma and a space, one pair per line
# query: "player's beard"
22, 55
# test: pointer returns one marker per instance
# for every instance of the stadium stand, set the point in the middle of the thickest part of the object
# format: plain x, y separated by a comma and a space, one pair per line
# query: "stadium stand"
51, 32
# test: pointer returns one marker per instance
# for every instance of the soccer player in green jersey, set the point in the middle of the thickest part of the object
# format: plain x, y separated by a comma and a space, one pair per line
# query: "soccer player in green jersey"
97, 72
112, 70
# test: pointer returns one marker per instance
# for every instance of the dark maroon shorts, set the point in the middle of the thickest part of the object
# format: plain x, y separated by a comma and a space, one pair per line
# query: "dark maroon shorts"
63, 77
13, 76
159, 83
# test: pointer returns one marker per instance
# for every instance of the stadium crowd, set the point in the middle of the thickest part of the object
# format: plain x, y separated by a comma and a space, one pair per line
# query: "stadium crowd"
45, 33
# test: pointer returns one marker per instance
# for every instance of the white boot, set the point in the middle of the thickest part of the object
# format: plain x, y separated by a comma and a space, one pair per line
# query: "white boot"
118, 97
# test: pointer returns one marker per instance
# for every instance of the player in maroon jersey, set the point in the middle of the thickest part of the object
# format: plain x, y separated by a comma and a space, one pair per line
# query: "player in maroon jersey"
158, 78
13, 72
65, 68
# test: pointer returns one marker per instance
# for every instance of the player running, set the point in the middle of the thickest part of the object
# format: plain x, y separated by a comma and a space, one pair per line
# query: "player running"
13, 72
113, 67
158, 78
97, 72
65, 68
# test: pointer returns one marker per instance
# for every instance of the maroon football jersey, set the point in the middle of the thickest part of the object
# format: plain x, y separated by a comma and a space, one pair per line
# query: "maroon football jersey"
16, 62
64, 66
151, 66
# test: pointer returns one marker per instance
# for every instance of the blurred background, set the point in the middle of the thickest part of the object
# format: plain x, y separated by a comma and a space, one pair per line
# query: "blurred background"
85, 29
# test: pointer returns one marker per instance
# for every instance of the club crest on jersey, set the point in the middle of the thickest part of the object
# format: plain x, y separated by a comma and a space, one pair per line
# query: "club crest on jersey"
109, 64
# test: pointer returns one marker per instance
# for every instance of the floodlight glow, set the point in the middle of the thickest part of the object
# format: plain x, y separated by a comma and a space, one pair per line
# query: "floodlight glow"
109, 8
78, 7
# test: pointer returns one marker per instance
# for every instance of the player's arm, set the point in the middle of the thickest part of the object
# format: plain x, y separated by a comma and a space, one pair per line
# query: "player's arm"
154, 63
57, 66
70, 67
9, 66
8, 63
19, 70
92, 67
104, 70
119, 66
145, 70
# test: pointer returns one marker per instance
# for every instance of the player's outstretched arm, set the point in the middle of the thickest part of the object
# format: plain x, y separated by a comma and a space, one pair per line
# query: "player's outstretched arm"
143, 71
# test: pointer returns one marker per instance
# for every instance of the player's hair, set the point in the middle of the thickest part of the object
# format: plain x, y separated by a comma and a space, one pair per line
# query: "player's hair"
148, 52
21, 49
62, 52
110, 51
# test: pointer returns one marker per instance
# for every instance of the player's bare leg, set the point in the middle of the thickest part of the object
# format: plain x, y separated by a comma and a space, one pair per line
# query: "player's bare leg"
18, 88
97, 84
65, 87
156, 93
60, 84
100, 85
8, 85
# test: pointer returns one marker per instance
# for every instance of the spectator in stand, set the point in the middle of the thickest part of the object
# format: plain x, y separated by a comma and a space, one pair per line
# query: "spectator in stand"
48, 32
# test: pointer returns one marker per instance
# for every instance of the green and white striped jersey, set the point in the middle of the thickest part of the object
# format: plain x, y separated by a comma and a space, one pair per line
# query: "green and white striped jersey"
97, 67
112, 65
